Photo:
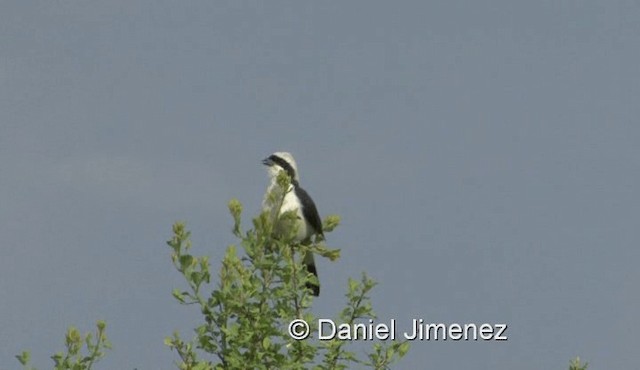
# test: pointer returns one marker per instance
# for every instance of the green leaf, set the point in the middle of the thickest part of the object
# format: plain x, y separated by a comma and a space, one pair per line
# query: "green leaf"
168, 341
331, 254
403, 348
235, 208
24, 358
180, 296
330, 223
186, 261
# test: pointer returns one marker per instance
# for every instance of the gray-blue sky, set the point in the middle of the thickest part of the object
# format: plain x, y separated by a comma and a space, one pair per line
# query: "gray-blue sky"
484, 158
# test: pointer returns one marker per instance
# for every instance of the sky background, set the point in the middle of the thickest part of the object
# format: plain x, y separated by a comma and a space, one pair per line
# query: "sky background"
483, 156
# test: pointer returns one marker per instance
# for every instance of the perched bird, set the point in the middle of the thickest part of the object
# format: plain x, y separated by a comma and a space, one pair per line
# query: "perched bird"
298, 200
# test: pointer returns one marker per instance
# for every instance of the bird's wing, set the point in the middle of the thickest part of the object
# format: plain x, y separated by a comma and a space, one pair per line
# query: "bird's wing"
309, 210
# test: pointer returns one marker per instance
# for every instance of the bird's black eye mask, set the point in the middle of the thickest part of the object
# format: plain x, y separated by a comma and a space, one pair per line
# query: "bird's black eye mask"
274, 159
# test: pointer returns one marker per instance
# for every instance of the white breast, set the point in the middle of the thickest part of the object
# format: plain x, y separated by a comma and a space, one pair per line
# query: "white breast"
292, 203
289, 203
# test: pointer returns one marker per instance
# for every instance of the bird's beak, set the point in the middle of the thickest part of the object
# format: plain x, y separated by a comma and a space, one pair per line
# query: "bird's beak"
267, 162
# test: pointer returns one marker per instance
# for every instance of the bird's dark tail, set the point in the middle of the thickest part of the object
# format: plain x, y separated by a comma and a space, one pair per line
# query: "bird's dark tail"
310, 264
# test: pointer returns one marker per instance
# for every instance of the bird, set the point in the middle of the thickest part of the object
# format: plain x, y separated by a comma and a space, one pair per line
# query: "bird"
298, 200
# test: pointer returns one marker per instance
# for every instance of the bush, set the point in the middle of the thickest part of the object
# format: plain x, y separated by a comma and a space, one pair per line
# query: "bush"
261, 289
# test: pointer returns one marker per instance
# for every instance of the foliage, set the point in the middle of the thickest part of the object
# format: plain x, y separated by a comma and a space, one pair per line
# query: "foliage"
73, 358
576, 365
260, 290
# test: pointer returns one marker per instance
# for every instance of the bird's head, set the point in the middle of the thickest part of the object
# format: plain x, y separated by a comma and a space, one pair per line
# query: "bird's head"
281, 161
